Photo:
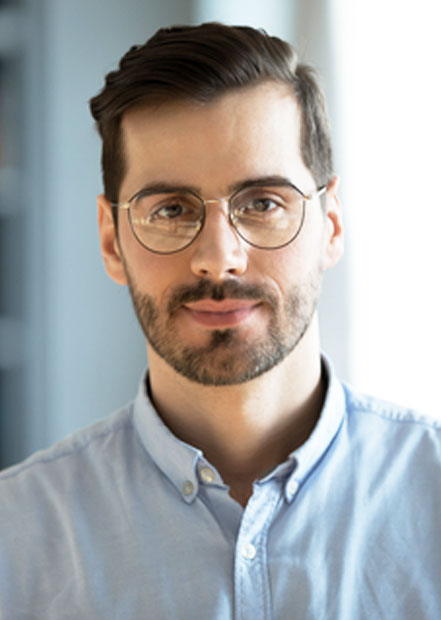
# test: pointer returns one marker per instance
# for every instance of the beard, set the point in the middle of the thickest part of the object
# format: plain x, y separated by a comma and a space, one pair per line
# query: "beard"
228, 358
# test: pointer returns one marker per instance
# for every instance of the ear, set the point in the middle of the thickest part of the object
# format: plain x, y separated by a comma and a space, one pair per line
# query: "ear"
110, 249
334, 225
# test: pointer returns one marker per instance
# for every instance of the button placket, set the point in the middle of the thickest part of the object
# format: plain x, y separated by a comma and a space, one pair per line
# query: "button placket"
251, 574
249, 551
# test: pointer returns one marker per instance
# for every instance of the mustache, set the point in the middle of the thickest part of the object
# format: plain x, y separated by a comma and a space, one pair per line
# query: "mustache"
231, 289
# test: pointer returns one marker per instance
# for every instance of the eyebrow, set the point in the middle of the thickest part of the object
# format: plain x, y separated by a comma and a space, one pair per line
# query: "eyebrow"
165, 187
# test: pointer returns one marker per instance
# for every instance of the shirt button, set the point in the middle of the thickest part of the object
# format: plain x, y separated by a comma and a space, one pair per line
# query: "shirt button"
187, 487
293, 486
207, 474
249, 551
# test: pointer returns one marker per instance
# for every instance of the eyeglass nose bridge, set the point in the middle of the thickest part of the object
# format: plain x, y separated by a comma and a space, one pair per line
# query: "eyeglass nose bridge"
223, 200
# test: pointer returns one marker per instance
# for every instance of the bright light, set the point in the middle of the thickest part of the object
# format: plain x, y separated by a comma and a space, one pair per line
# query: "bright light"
391, 98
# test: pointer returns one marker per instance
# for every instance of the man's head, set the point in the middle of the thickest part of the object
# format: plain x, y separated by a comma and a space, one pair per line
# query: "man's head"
200, 64
230, 304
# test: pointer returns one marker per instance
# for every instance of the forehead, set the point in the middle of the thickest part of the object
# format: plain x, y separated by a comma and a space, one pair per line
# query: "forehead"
243, 134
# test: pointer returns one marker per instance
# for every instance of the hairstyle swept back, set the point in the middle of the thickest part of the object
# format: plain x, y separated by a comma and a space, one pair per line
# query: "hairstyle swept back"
201, 63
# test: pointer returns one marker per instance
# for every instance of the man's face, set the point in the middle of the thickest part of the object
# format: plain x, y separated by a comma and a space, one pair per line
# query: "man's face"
221, 311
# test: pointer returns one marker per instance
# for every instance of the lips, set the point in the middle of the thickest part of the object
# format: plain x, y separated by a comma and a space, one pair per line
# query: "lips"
226, 305
225, 313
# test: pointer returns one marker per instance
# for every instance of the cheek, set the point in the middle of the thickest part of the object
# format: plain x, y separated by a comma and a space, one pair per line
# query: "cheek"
295, 260
152, 274
293, 265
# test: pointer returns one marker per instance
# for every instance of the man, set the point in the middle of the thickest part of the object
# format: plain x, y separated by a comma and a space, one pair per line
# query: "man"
245, 481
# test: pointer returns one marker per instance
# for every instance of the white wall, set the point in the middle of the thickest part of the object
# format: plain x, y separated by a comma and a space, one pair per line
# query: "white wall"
388, 53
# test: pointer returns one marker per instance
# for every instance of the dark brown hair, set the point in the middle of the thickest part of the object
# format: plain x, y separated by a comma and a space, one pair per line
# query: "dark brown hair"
201, 63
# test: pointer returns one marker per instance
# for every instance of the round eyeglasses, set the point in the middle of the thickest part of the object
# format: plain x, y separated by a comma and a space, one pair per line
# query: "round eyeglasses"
267, 216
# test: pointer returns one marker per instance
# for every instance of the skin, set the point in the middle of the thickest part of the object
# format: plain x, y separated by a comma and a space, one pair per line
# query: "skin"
244, 429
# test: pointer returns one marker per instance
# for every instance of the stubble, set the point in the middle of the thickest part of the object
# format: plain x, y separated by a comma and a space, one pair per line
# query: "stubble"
228, 358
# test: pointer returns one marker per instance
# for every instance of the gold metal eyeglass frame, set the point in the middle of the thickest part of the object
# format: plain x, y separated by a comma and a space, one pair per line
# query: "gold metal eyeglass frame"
228, 199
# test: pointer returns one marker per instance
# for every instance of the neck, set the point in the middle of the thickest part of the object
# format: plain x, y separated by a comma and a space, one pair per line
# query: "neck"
245, 430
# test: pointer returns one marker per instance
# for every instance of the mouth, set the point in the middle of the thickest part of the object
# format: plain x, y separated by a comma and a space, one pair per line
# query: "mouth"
221, 314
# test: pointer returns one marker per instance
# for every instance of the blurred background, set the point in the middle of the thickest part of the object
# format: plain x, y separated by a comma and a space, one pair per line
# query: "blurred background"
70, 348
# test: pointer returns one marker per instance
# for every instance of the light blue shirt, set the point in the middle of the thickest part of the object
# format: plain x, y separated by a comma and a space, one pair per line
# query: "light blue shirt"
124, 521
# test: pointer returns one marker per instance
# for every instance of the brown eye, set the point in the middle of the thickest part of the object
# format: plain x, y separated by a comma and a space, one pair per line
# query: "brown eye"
262, 205
170, 211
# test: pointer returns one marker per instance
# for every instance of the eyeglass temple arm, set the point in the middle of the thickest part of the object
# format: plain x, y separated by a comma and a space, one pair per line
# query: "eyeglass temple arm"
126, 205
120, 205
317, 192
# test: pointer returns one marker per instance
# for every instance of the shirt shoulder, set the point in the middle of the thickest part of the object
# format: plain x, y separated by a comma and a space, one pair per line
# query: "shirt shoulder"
389, 435
86, 442
359, 404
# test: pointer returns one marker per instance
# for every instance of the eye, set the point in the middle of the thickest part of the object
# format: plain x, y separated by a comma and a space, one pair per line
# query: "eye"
258, 203
170, 211
161, 208
262, 205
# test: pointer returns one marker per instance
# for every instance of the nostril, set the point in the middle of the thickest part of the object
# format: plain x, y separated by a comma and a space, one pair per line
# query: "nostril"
216, 261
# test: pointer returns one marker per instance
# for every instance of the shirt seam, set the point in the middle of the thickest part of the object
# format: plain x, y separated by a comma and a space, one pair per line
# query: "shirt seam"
407, 416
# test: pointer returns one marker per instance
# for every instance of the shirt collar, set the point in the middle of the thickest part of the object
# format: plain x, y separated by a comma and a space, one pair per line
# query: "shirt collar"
183, 463
308, 455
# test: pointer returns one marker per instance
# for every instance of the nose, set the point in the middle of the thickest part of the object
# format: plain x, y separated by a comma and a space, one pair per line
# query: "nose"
218, 251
